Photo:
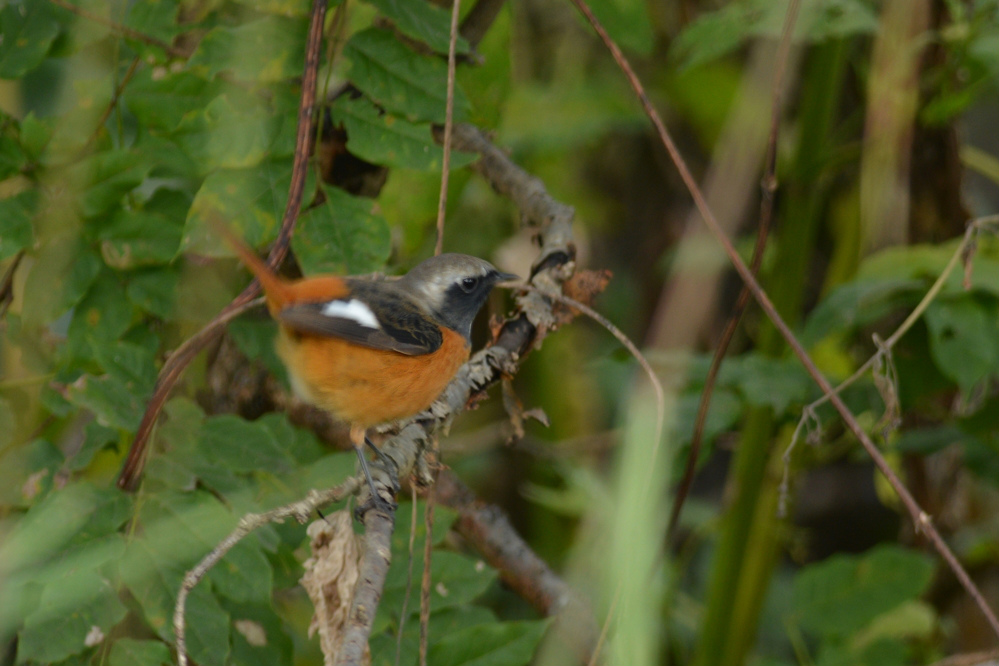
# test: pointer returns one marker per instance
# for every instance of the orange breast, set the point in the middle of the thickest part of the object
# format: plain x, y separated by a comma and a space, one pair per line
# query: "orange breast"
368, 386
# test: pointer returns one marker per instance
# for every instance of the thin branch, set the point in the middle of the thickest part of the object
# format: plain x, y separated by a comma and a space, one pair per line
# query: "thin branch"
121, 29
448, 126
921, 519
175, 365
768, 186
300, 511
7, 283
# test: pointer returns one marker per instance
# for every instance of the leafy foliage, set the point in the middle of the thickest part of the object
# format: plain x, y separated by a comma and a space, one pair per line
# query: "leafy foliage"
112, 212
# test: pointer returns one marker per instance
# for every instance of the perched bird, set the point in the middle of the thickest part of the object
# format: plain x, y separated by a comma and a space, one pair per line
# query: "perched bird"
373, 351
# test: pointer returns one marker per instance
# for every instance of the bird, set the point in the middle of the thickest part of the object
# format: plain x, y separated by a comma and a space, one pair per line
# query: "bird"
373, 351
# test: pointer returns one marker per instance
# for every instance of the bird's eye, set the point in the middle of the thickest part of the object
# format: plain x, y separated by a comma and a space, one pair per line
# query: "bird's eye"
469, 284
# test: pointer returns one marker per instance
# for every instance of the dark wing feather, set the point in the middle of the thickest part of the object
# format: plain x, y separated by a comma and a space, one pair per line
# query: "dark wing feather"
404, 326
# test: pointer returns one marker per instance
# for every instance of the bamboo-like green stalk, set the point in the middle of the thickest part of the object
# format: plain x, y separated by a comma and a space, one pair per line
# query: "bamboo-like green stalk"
748, 543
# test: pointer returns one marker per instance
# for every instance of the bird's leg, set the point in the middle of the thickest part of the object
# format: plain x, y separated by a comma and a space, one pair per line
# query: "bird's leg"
382, 456
358, 438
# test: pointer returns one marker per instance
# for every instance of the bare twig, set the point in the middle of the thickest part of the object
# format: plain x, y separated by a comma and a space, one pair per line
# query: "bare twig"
448, 126
7, 283
300, 511
175, 365
768, 186
121, 29
920, 518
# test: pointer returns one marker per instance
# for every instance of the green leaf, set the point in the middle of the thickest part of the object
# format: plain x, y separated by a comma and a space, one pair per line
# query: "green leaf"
27, 473
132, 652
724, 413
241, 446
95, 438
423, 21
244, 574
63, 272
455, 580
154, 291
858, 304
161, 100
264, 51
390, 141
719, 33
207, 628
400, 81
251, 201
301, 443
343, 235
234, 131
963, 338
114, 403
444, 623
155, 18
776, 383
629, 23
28, 29
104, 178
75, 612
101, 317
295, 8
16, 213
494, 644
131, 239
12, 156
77, 513
255, 338
258, 636
118, 397
35, 135
844, 593
8, 424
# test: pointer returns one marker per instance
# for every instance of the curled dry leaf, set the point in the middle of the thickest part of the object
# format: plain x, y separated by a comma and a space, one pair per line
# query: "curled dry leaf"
583, 286
330, 577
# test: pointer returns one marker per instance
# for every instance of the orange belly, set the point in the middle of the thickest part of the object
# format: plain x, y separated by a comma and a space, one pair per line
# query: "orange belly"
368, 386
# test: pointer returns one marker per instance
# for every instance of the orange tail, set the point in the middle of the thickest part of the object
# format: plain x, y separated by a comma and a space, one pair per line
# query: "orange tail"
276, 290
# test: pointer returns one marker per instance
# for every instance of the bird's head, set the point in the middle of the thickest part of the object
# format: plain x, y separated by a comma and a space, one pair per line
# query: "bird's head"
453, 287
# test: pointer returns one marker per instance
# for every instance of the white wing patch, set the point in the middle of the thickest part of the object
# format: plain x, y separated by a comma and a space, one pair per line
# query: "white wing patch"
354, 310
